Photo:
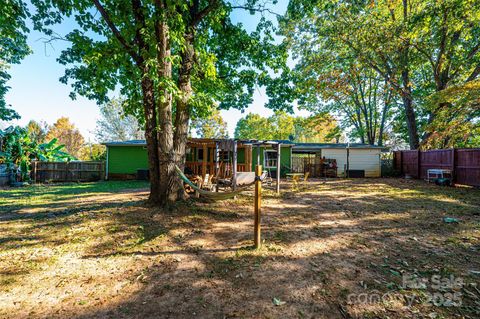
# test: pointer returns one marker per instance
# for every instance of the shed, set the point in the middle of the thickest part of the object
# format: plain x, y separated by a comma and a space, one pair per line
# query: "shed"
356, 158
125, 158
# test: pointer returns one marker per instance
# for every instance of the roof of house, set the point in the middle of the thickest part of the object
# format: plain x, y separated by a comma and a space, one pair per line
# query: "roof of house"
333, 145
284, 142
267, 142
199, 140
337, 145
126, 143
296, 146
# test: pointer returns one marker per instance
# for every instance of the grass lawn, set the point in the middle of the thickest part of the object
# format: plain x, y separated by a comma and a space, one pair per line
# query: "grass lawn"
339, 249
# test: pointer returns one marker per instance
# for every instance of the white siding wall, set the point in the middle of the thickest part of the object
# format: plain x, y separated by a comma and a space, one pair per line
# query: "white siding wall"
366, 159
338, 154
361, 159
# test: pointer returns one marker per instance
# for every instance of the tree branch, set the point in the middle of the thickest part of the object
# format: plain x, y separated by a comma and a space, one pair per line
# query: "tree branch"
473, 51
259, 9
117, 33
443, 42
139, 24
200, 15
474, 74
422, 51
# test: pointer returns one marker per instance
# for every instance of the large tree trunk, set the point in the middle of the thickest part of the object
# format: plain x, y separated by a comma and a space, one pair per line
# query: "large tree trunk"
409, 112
151, 137
182, 111
157, 99
359, 120
167, 175
411, 122
386, 106
406, 92
407, 88
149, 105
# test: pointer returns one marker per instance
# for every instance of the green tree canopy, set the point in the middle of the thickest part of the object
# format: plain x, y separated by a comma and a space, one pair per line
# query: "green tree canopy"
172, 59
317, 128
93, 152
416, 48
13, 47
212, 126
254, 126
457, 125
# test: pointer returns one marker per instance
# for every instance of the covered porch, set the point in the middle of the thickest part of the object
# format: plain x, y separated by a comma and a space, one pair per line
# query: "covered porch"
216, 157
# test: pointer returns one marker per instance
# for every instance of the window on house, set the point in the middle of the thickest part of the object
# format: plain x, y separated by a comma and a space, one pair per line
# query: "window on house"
270, 158
200, 155
224, 156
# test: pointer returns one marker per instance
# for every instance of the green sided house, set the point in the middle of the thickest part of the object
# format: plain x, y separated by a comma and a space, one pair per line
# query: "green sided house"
128, 159
125, 159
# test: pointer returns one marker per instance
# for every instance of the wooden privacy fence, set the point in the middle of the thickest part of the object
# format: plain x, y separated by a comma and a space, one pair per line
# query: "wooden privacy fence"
463, 162
67, 171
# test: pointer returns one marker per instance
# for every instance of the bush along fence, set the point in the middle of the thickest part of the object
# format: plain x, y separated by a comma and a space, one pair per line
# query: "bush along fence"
463, 162
67, 171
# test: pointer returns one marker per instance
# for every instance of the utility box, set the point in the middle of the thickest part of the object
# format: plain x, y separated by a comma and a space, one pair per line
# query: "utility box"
356, 173
143, 174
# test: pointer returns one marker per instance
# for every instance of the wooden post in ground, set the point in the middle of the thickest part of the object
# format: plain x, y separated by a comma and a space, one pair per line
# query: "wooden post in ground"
279, 167
258, 155
204, 160
199, 184
248, 158
234, 168
258, 206
217, 167
34, 172
347, 173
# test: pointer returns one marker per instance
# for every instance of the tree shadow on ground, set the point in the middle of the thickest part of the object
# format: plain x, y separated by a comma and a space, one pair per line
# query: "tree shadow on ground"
321, 245
371, 239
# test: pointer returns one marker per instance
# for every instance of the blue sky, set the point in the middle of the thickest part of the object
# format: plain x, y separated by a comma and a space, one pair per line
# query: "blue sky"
36, 92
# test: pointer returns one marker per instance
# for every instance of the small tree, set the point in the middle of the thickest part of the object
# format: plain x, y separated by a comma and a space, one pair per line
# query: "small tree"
115, 125
17, 150
67, 134
37, 131
254, 126
93, 152
212, 126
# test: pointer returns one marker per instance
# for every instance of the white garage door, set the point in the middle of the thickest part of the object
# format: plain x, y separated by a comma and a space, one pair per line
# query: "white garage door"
367, 160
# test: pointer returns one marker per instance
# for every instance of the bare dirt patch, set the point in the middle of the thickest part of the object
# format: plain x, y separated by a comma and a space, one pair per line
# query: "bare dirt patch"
326, 247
